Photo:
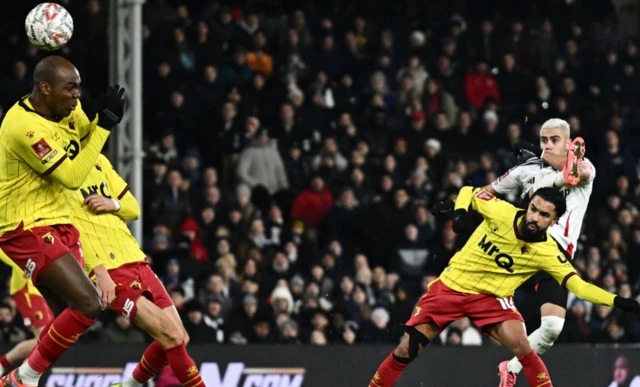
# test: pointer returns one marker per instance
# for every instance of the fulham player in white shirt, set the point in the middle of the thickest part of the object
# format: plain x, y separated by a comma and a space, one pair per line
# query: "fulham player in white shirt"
559, 162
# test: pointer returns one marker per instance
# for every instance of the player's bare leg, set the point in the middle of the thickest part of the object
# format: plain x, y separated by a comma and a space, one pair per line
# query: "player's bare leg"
55, 302
411, 345
154, 358
172, 314
541, 340
513, 335
169, 343
67, 280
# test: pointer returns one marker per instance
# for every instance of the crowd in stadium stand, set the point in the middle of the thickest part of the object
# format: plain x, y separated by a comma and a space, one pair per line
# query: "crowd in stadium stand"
293, 154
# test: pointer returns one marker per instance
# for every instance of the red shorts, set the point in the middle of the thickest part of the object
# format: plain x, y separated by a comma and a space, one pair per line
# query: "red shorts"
37, 248
33, 308
132, 281
442, 305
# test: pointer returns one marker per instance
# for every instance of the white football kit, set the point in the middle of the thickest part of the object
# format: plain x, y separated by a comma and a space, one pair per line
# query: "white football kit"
521, 179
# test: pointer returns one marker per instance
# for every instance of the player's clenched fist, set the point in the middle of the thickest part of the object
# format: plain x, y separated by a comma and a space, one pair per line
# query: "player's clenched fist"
99, 204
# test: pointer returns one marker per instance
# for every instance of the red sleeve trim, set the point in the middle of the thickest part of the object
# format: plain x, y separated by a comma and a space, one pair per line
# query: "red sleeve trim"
124, 192
54, 166
564, 281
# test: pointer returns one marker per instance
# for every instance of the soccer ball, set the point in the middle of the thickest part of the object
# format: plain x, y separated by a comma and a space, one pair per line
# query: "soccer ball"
49, 26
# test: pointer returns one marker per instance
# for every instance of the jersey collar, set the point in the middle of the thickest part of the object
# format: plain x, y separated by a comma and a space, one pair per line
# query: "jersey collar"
520, 214
26, 105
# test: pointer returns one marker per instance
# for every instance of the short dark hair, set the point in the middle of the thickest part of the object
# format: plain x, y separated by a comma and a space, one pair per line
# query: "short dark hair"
553, 196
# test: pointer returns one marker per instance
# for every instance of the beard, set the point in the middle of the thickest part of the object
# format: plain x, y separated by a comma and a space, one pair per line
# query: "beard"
531, 230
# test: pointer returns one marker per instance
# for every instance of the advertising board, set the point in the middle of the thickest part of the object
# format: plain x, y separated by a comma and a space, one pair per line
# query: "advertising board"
337, 366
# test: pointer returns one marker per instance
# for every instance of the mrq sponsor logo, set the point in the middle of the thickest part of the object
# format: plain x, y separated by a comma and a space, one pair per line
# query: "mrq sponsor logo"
235, 375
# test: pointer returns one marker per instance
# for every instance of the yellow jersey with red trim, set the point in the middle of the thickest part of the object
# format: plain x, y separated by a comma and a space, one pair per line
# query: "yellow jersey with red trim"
495, 260
32, 146
105, 237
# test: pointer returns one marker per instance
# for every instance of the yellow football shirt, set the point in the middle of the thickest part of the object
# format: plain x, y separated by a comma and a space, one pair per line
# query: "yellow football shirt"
495, 260
33, 146
105, 237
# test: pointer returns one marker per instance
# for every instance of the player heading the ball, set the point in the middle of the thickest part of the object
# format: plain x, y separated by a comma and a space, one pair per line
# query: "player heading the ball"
40, 139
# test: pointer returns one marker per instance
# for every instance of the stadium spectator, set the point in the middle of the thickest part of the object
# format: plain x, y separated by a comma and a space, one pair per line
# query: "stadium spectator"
261, 164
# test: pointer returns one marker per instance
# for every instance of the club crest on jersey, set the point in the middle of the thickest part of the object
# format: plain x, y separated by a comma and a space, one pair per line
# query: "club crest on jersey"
484, 195
39, 315
41, 148
524, 249
30, 134
136, 285
72, 125
98, 167
48, 238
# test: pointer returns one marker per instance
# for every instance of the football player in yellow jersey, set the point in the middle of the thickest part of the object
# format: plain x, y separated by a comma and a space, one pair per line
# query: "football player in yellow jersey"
510, 246
39, 143
123, 277
33, 308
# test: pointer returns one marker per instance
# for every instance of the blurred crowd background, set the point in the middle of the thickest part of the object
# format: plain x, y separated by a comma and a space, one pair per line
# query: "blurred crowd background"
294, 149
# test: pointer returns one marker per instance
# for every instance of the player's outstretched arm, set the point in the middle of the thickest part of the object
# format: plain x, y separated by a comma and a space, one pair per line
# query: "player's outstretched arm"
563, 272
594, 294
